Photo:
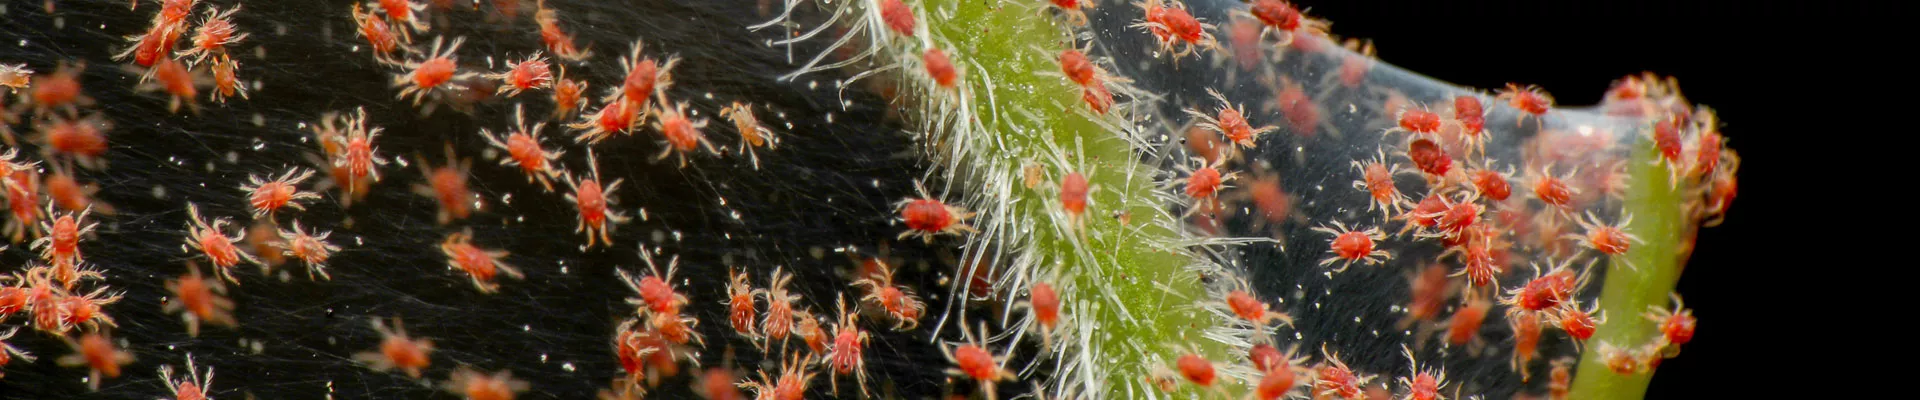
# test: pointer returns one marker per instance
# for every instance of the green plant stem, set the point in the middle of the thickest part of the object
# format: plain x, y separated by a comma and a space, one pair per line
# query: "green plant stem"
1658, 219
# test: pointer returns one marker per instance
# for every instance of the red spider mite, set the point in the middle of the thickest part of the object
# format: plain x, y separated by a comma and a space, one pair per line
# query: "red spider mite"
1425, 383
1429, 289
97, 352
1578, 323
1376, 178
940, 67
1666, 138
149, 47
263, 238
397, 350
226, 81
845, 357
14, 77
174, 11
791, 385
779, 319
1553, 190
1528, 99
1352, 245
646, 78
1334, 378
1478, 262
807, 327
1607, 239
59, 90
1459, 216
1203, 185
1490, 183
1252, 309
529, 73
615, 117
1276, 383
898, 303
1177, 31
717, 384
480, 264
1472, 118
1429, 157
1546, 291
1097, 97
1196, 369
1418, 120
927, 217
193, 386
657, 295
557, 40
1464, 326
198, 300
475, 385
216, 33
596, 218
1077, 67
402, 11
431, 75
84, 311
1043, 302
357, 153
1526, 342
567, 95
1707, 153
972, 360
1232, 122
8, 353
898, 16
180, 83
634, 347
676, 328
269, 194
1247, 47
61, 246
1075, 10
1676, 324
740, 307
377, 33
448, 185
23, 199
83, 139
308, 247
214, 241
1621, 361
752, 133
524, 150
1073, 194
1354, 67
683, 135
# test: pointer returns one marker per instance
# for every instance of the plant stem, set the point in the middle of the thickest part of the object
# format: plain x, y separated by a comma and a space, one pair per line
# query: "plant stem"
1657, 217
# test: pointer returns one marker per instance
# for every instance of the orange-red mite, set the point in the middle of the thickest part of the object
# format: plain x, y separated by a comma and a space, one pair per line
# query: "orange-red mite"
1046, 304
940, 68
1197, 369
975, 362
1252, 309
199, 300
1276, 14
1274, 384
898, 16
480, 264
56, 90
779, 319
61, 246
1419, 121
1076, 66
657, 295
215, 34
904, 307
98, 353
683, 134
1465, 324
615, 117
268, 196
1676, 324
378, 34
397, 350
1073, 193
523, 149
177, 81
1351, 245
529, 74
1553, 191
1429, 157
926, 217
84, 138
1528, 99
1579, 324
1203, 183
310, 248
740, 307
1526, 340
218, 246
1491, 184
1471, 115
475, 385
1097, 97
1334, 378
194, 386
1182, 24
848, 340
591, 201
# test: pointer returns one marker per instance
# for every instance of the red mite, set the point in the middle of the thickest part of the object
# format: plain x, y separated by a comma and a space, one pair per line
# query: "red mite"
927, 217
940, 67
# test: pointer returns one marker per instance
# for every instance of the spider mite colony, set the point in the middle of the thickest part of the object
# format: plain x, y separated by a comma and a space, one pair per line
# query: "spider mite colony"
1109, 229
